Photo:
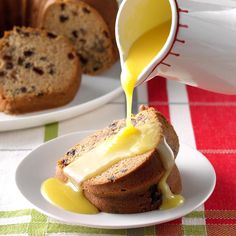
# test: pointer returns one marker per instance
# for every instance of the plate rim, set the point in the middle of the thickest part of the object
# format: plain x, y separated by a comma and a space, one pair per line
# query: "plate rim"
114, 226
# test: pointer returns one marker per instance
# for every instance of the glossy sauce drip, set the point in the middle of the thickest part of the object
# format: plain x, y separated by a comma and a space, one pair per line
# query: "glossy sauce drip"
66, 197
169, 200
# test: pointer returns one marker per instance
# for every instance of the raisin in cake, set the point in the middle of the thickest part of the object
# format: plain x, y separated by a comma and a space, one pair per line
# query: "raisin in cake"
38, 70
85, 27
129, 186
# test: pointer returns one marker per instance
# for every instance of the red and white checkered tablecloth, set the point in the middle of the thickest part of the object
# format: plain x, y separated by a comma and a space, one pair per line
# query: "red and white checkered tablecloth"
210, 121
203, 120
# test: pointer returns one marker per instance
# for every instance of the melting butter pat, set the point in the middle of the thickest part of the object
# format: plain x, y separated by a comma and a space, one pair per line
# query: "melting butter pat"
129, 142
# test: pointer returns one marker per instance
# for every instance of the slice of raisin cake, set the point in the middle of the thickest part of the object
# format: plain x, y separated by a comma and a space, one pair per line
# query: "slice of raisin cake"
115, 189
85, 27
38, 70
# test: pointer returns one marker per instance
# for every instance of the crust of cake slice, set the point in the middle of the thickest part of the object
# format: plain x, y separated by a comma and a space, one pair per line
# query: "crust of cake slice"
132, 176
147, 199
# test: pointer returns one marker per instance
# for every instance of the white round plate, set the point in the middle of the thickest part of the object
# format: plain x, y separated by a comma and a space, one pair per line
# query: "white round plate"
197, 173
94, 91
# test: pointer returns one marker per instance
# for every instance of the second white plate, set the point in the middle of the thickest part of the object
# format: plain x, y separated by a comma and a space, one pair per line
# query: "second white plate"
94, 91
198, 177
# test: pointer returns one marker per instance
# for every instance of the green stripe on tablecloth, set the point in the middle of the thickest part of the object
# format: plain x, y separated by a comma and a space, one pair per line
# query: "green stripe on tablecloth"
149, 231
36, 227
50, 131
194, 230
63, 228
213, 214
14, 228
8, 214
135, 232
196, 214
38, 224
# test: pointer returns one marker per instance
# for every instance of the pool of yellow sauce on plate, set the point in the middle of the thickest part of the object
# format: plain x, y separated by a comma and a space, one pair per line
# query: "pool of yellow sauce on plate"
60, 194
64, 196
169, 200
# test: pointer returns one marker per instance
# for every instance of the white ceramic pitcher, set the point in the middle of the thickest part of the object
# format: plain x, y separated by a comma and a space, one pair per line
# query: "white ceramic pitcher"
201, 47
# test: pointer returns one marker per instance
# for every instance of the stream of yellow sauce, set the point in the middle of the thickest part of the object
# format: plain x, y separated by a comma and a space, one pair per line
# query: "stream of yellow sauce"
128, 142
140, 55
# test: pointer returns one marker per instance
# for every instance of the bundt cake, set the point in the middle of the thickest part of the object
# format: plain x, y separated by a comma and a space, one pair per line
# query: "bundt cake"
130, 185
38, 70
89, 24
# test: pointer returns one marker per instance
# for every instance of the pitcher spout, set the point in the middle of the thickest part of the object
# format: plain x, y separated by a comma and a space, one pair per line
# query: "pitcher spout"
197, 51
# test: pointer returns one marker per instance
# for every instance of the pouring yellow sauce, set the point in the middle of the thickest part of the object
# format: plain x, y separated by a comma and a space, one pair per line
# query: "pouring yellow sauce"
140, 55
113, 150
